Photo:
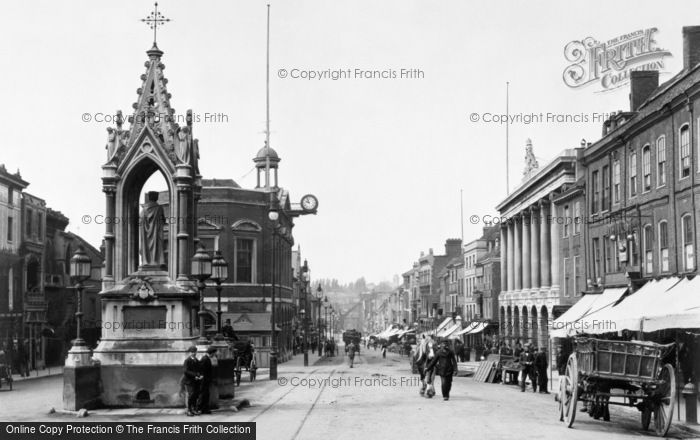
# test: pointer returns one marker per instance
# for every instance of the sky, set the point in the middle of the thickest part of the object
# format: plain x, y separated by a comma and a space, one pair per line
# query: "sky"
386, 157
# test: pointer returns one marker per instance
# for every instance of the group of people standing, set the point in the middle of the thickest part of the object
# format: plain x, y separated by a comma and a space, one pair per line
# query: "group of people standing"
533, 366
432, 360
197, 378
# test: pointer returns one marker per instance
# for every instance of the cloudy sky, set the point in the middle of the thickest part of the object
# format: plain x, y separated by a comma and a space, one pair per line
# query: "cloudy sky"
386, 157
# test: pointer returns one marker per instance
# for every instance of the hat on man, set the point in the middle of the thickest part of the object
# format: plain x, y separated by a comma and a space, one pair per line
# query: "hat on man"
211, 350
192, 349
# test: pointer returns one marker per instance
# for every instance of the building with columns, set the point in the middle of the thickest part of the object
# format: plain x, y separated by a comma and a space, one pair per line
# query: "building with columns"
530, 237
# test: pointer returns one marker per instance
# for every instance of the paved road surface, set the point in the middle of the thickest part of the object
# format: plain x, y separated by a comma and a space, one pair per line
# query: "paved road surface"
378, 399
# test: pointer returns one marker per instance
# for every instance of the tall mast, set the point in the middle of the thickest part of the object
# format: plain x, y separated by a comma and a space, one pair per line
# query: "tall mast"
267, 105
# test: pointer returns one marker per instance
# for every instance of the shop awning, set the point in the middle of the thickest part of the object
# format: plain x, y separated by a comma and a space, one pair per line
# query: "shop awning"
561, 325
445, 324
680, 308
447, 331
473, 328
627, 314
576, 319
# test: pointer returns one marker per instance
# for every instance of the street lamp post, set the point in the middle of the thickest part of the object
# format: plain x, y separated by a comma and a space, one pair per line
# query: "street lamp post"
304, 311
319, 297
273, 215
201, 270
80, 267
219, 274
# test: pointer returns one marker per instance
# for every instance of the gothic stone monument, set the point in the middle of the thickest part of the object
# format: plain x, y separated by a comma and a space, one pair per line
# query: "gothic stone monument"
148, 300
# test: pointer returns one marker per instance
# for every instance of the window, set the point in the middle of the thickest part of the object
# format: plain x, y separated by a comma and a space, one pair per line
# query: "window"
577, 218
567, 278
687, 231
616, 182
595, 192
10, 196
633, 174
606, 188
39, 225
10, 290
632, 247
609, 255
648, 249
685, 151
567, 219
577, 276
10, 228
596, 258
661, 161
244, 260
646, 167
663, 245
28, 231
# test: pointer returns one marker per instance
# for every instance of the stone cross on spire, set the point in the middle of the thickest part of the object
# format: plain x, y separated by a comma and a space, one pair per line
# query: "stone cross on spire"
154, 19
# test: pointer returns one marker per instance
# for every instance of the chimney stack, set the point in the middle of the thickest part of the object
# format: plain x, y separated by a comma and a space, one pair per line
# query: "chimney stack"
642, 85
691, 46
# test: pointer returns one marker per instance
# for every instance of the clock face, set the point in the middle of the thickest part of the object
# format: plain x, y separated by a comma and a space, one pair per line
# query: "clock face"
309, 202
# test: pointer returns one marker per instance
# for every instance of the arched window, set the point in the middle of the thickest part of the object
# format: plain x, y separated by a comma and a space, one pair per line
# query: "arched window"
688, 242
646, 167
633, 173
684, 150
663, 245
648, 249
661, 161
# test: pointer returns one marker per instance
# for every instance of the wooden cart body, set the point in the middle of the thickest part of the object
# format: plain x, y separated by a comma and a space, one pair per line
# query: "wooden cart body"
636, 368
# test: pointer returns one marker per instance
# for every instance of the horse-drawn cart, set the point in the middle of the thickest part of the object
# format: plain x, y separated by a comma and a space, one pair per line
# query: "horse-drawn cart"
631, 372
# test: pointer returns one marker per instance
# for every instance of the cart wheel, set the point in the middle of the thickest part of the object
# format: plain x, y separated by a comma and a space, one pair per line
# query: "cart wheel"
560, 399
666, 394
570, 391
646, 417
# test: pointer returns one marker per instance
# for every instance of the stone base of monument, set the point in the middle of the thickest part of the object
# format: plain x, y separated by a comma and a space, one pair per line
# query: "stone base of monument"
145, 386
82, 387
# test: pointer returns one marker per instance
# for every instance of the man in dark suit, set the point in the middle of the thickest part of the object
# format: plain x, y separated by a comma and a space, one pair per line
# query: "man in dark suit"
541, 364
192, 379
207, 371
527, 363
445, 365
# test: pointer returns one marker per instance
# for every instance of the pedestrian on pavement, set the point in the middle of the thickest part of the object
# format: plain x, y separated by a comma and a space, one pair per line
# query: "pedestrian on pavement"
384, 350
191, 379
207, 372
527, 363
445, 365
350, 349
541, 363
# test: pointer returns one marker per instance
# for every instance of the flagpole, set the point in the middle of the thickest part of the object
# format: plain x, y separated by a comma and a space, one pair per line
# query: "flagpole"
267, 104
461, 212
507, 146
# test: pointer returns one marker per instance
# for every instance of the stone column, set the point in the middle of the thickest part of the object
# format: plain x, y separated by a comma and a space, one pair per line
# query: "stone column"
555, 231
527, 242
109, 232
504, 257
534, 248
545, 268
517, 258
510, 257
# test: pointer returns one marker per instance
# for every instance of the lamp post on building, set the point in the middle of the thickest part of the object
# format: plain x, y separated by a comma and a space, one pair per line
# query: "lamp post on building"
201, 270
80, 267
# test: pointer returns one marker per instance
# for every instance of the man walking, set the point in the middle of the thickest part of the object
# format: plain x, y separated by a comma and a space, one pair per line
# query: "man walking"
206, 369
351, 353
445, 365
192, 379
541, 362
527, 363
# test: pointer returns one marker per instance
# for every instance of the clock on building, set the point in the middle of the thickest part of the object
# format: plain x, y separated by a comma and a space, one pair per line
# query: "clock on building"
309, 202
